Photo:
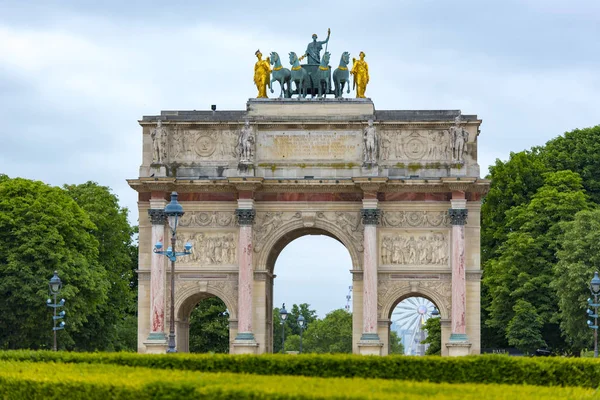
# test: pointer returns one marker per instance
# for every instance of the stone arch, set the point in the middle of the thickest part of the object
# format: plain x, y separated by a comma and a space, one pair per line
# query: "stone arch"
395, 296
194, 293
293, 229
186, 298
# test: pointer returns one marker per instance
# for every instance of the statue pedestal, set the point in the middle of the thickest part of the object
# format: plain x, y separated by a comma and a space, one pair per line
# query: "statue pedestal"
341, 109
153, 170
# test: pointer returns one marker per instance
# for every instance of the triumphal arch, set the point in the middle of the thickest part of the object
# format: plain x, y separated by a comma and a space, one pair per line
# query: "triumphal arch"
399, 189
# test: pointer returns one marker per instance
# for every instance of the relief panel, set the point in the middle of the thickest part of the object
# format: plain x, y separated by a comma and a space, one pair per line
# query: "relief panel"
415, 248
209, 248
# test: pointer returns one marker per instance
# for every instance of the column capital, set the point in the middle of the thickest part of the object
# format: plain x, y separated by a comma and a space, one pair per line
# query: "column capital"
157, 216
370, 216
458, 216
245, 216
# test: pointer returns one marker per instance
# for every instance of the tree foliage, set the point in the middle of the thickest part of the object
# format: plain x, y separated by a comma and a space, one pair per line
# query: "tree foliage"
332, 334
209, 327
578, 258
434, 337
396, 346
291, 325
42, 229
524, 270
524, 330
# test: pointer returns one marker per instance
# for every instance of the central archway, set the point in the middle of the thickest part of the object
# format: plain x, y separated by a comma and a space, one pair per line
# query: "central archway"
278, 240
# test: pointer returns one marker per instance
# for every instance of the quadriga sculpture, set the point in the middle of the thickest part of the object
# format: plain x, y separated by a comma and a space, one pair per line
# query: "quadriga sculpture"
281, 75
341, 76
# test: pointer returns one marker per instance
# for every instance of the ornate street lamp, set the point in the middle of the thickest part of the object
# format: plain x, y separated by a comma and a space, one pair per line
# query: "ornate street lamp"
595, 289
55, 285
283, 315
301, 324
173, 211
435, 313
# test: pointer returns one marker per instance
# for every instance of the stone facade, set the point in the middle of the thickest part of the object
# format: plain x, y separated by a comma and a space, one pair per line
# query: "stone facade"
252, 181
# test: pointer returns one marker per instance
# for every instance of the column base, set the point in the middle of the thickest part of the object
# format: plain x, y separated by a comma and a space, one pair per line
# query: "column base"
370, 345
245, 343
459, 345
156, 343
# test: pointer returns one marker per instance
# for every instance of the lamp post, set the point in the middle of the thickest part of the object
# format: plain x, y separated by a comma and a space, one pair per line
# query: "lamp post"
595, 289
55, 285
301, 324
173, 211
283, 314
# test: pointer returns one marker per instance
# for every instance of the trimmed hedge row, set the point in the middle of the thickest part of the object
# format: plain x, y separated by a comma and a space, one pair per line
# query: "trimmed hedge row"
546, 371
27, 380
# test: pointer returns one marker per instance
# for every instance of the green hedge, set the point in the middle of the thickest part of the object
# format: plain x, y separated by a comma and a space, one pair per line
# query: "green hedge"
542, 371
26, 380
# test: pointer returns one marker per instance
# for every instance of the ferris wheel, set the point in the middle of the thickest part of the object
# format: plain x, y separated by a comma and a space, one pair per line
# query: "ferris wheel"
410, 316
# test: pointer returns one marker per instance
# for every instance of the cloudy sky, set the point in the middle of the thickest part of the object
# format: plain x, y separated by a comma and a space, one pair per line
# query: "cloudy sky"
76, 75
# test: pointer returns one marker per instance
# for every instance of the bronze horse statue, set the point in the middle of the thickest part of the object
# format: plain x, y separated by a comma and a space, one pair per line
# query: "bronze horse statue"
281, 75
341, 76
323, 76
298, 75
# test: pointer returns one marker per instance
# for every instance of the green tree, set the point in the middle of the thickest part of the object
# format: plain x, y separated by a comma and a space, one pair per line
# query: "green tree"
396, 346
524, 270
42, 230
577, 151
434, 337
332, 334
524, 330
118, 257
209, 327
578, 258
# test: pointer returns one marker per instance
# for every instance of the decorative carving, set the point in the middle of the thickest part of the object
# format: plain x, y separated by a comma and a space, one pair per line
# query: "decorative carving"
157, 216
415, 248
209, 248
426, 145
246, 144
159, 143
245, 216
210, 145
443, 289
458, 216
267, 223
425, 219
370, 216
460, 137
208, 219
350, 223
371, 144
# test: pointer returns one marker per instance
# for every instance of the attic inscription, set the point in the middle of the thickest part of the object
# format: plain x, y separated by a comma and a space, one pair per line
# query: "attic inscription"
300, 146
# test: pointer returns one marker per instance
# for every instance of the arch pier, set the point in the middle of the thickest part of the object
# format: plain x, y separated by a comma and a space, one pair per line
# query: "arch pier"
252, 181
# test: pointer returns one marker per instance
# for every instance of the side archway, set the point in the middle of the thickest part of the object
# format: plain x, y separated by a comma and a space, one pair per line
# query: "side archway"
189, 295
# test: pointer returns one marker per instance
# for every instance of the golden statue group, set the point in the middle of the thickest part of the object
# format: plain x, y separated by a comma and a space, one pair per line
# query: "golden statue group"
315, 77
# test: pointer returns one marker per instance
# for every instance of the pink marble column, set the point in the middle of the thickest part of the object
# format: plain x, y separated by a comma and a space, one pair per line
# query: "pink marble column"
370, 221
458, 218
245, 274
157, 278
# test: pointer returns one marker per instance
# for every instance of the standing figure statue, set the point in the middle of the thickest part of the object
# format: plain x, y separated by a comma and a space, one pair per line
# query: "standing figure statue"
371, 144
246, 144
159, 143
262, 73
360, 70
459, 137
313, 50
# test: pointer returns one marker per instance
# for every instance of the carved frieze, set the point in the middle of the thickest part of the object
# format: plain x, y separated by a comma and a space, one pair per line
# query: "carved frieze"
209, 248
267, 222
416, 145
415, 219
415, 248
189, 145
207, 219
